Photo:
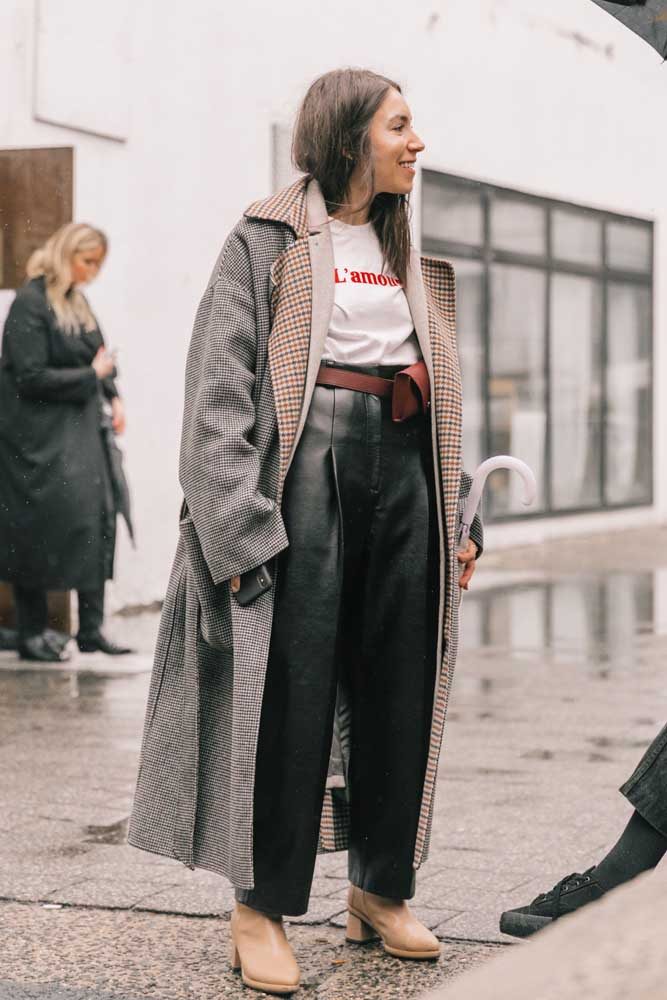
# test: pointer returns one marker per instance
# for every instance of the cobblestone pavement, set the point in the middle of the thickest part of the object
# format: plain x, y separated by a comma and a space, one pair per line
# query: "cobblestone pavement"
559, 687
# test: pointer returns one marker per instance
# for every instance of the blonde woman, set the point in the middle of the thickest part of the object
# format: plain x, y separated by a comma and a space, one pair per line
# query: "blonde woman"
56, 506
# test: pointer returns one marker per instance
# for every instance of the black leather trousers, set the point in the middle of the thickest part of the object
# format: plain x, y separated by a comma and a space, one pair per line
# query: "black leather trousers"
356, 599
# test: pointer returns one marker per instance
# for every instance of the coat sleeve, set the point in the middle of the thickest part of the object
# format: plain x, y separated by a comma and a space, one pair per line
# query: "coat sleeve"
477, 527
93, 340
26, 333
109, 388
237, 525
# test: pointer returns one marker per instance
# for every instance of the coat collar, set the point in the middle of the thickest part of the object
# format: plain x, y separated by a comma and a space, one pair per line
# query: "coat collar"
288, 206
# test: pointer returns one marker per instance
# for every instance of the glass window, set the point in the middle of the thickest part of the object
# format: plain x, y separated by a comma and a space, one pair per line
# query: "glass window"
628, 430
576, 391
555, 341
469, 325
518, 225
516, 380
629, 246
453, 213
577, 237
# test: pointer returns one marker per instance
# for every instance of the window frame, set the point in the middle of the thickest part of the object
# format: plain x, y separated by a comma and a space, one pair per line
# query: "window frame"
548, 264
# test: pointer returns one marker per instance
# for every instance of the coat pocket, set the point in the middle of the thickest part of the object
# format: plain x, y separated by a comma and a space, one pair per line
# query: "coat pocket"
215, 618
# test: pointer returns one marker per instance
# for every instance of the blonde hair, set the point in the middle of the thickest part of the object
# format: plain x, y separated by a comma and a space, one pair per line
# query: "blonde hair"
53, 260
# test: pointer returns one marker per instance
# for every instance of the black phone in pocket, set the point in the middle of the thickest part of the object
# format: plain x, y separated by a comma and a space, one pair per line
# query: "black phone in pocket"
253, 583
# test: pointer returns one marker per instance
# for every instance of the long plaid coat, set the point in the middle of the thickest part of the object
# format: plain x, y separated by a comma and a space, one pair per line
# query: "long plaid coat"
256, 346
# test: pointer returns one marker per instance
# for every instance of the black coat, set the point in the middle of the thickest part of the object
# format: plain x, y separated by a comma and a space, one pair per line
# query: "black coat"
56, 508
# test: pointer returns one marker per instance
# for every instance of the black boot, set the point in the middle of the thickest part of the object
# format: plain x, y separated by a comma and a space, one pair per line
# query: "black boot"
97, 643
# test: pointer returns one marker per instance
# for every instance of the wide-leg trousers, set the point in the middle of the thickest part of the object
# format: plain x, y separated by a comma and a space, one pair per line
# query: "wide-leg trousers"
356, 602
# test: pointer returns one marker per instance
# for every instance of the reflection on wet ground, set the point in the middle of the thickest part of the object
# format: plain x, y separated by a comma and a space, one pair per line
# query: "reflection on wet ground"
533, 736
595, 617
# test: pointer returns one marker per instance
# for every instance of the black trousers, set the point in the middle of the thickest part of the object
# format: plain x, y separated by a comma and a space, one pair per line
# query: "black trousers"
646, 788
32, 614
356, 600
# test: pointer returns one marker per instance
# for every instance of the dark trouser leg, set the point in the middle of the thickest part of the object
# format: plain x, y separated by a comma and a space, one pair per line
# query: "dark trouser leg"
352, 593
646, 788
393, 677
31, 611
299, 696
639, 848
643, 843
91, 611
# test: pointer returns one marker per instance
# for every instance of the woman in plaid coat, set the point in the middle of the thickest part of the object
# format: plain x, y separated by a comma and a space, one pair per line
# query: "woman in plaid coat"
309, 633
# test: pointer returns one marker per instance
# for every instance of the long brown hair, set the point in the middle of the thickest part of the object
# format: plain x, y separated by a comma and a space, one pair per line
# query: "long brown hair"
331, 137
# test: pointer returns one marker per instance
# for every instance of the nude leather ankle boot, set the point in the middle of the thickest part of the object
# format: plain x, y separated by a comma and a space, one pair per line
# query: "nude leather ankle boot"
260, 949
402, 934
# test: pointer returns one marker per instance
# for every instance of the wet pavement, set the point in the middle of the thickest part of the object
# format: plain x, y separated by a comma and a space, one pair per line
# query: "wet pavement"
559, 688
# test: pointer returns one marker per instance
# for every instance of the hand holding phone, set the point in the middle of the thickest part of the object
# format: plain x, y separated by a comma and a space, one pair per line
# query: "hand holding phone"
251, 584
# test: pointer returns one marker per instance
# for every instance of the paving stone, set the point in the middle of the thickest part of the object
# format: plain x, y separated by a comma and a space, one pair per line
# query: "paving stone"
538, 740
196, 897
320, 911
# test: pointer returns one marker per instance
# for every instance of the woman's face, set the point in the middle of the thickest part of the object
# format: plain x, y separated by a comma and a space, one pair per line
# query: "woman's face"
86, 265
394, 146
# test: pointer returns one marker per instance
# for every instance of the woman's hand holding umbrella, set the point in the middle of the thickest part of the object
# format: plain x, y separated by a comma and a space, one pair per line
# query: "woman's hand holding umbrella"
467, 557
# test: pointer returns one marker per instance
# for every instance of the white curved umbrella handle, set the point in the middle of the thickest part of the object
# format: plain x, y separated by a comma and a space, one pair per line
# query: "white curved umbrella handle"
478, 482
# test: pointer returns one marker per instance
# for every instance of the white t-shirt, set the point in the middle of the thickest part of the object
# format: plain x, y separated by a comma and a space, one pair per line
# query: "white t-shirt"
371, 322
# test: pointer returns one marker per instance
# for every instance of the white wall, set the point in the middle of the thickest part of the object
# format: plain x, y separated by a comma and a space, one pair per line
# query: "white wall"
564, 103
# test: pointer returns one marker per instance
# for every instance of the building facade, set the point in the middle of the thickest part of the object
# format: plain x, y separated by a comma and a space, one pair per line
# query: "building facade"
542, 180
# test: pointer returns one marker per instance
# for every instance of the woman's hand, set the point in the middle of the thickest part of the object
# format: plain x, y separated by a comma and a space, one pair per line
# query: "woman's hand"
103, 363
117, 415
467, 558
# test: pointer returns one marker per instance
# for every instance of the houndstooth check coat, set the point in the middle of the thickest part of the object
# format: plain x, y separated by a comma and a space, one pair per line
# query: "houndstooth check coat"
258, 338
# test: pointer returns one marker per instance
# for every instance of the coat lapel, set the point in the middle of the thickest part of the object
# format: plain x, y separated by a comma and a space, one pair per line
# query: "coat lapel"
302, 302
431, 297
320, 249
289, 344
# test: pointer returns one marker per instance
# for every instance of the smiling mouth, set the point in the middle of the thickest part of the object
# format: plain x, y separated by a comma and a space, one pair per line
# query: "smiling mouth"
409, 165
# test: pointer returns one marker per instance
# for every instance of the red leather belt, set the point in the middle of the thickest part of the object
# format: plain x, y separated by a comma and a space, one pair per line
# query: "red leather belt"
409, 390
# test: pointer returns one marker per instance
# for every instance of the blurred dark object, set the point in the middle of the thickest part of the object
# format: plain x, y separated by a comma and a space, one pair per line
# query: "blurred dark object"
119, 486
647, 18
59, 612
9, 638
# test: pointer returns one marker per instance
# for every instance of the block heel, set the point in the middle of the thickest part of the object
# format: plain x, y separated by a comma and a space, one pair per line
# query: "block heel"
358, 931
234, 957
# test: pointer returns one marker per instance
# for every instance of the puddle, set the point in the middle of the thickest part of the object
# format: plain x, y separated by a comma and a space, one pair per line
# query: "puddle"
598, 617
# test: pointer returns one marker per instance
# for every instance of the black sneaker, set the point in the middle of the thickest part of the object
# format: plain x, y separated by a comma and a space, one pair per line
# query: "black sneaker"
566, 896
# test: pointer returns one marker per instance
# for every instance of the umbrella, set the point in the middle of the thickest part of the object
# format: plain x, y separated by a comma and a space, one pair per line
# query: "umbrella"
478, 481
647, 18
